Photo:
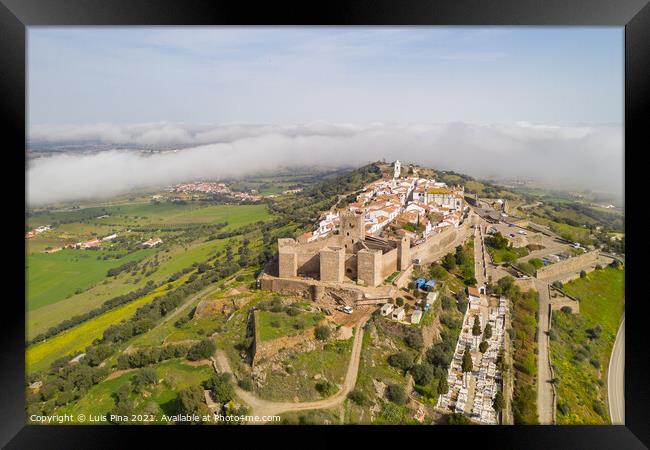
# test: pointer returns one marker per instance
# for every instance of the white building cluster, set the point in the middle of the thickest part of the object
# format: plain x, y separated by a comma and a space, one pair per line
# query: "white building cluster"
205, 187
428, 205
487, 378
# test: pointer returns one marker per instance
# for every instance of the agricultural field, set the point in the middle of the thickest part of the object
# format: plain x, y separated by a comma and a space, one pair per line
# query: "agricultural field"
148, 213
581, 345
41, 355
52, 277
175, 259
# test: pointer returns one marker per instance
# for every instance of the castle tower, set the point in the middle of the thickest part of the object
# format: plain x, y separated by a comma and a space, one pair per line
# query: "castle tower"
398, 169
352, 229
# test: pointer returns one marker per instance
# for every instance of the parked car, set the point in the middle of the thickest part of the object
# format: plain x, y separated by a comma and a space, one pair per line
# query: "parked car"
346, 309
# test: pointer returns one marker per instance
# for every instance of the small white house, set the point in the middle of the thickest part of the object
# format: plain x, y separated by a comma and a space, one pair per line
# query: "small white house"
399, 314
416, 316
387, 309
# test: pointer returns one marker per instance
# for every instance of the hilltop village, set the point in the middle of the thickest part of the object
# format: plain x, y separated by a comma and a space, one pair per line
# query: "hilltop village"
402, 206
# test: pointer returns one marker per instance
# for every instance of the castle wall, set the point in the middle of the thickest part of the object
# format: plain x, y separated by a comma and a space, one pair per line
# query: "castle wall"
369, 267
351, 263
575, 263
332, 264
388, 263
308, 263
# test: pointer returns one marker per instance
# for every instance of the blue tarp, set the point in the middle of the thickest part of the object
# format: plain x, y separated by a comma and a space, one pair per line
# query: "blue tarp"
420, 282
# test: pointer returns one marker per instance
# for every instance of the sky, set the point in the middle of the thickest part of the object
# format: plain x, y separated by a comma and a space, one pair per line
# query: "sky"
508, 101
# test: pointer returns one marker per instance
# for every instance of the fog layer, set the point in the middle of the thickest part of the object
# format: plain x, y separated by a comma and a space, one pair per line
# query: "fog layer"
578, 157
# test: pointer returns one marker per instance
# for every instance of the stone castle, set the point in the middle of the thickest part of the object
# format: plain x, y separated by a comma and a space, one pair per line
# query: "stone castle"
349, 256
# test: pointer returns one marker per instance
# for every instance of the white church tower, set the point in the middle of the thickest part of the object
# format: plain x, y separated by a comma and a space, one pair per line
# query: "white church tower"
398, 169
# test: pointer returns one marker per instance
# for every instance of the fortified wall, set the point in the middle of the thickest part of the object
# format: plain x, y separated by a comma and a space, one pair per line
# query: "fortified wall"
568, 265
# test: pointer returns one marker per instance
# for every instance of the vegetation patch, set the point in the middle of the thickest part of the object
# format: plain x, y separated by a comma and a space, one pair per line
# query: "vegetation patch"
581, 345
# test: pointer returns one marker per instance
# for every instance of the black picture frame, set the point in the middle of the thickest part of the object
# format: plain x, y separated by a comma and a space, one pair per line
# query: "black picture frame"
634, 15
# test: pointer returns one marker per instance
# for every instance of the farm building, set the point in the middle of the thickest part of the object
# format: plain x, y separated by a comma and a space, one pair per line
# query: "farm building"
399, 314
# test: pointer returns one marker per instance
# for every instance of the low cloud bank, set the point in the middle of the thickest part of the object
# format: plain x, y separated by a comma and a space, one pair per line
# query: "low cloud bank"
581, 157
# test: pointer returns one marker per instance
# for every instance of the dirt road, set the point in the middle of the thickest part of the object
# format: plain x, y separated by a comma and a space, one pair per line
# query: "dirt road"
616, 378
260, 407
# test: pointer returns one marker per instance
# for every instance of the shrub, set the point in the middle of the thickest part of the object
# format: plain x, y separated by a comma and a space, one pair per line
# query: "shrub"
594, 362
246, 383
358, 397
325, 388
201, 350
566, 309
323, 332
401, 360
396, 394
292, 311
422, 373
414, 340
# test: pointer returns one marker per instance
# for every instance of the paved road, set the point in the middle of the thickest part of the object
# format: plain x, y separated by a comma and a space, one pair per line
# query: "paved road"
262, 407
545, 409
616, 378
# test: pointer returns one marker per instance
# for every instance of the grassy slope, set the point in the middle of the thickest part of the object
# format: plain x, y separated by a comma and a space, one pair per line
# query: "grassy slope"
175, 375
286, 323
580, 383
331, 363
52, 277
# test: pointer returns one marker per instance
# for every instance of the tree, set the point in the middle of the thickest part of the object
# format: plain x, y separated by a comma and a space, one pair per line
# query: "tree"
396, 394
325, 388
462, 301
487, 332
498, 402
443, 386
399, 301
191, 401
323, 332
459, 419
220, 388
476, 328
401, 360
414, 340
467, 364
583, 274
449, 262
483, 346
201, 350
422, 373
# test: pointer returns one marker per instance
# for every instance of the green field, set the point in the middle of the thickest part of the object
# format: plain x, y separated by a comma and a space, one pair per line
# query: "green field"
175, 374
41, 355
581, 357
176, 259
51, 277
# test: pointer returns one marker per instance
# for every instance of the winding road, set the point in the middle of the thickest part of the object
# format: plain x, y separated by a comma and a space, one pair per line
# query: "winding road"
616, 378
260, 407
